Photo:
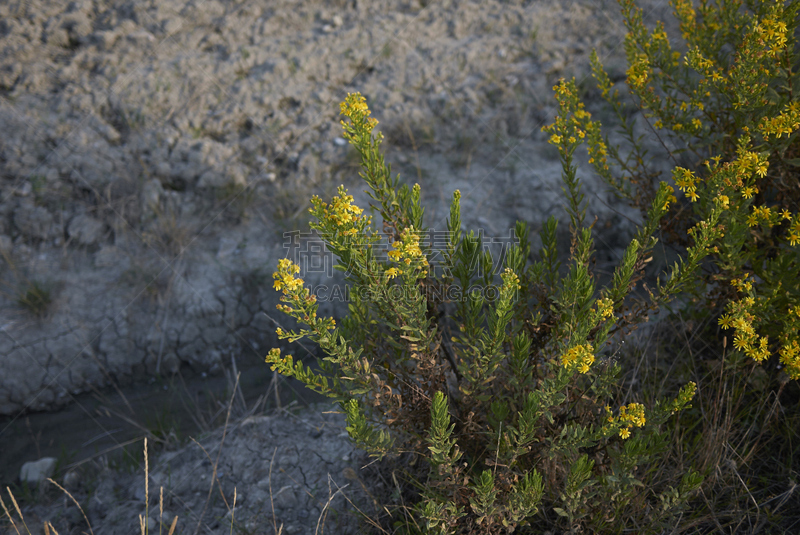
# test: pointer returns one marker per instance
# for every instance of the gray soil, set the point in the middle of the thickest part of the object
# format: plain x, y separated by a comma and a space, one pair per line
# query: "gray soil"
156, 161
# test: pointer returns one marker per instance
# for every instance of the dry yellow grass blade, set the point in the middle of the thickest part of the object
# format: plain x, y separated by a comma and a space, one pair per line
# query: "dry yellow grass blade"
65, 491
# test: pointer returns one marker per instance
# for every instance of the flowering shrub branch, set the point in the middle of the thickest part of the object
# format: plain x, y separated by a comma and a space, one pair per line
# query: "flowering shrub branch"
513, 379
737, 113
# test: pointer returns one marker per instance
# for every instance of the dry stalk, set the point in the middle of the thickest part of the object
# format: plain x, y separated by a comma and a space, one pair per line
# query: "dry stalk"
216, 463
65, 491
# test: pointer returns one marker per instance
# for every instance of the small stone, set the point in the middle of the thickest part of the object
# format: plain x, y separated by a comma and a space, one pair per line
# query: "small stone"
85, 230
25, 189
285, 498
105, 39
170, 26
141, 37
35, 472
226, 247
72, 479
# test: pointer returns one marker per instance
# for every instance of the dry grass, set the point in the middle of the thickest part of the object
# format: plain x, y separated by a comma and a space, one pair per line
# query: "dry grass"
235, 406
742, 431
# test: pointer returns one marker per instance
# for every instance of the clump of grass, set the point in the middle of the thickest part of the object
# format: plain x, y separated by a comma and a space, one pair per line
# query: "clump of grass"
236, 200
36, 299
168, 232
29, 294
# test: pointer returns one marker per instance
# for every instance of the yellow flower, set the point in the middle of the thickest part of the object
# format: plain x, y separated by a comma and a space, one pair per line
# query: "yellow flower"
392, 272
624, 432
510, 279
580, 357
605, 307
740, 342
355, 108
284, 277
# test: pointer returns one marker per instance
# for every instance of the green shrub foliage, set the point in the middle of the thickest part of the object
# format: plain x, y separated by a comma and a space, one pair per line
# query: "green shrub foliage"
728, 103
508, 392
504, 391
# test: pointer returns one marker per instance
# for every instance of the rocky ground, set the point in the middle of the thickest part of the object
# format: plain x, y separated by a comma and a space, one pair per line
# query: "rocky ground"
292, 472
157, 159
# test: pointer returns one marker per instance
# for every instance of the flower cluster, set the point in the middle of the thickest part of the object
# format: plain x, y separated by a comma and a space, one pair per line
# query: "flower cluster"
639, 72
743, 317
278, 362
407, 249
784, 123
302, 303
794, 229
631, 415
580, 357
341, 215
510, 280
284, 277
686, 181
687, 16
605, 307
763, 215
355, 108
772, 35
790, 357
574, 123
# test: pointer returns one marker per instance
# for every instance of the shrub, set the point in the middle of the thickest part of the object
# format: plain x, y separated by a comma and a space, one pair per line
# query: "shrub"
728, 104
507, 392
